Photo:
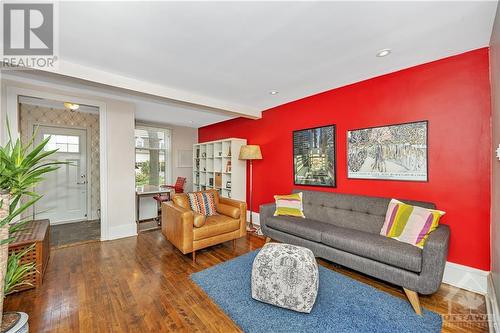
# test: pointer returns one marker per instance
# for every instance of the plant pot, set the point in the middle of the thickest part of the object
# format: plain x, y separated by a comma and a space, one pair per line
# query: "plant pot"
4, 248
15, 322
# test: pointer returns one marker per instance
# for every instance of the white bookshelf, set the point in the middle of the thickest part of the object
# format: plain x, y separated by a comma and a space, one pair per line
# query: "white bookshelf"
211, 161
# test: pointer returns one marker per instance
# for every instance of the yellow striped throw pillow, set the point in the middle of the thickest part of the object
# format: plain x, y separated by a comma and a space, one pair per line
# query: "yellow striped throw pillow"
410, 224
289, 205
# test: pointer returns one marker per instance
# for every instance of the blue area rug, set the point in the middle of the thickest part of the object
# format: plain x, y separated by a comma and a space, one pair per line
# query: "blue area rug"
342, 305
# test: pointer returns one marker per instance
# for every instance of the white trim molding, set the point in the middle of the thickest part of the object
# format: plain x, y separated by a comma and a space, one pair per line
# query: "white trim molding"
465, 277
121, 231
255, 218
12, 94
493, 307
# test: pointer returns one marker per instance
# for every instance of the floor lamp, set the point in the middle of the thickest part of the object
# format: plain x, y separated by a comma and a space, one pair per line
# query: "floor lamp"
250, 153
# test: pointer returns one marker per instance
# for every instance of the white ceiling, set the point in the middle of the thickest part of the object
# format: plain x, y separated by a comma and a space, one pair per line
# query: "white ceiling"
236, 52
229, 55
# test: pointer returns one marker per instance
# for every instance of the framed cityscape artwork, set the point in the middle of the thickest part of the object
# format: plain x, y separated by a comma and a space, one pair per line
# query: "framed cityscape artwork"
314, 157
394, 152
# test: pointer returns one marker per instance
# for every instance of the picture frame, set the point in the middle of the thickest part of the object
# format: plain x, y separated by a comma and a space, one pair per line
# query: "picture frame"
315, 156
184, 158
389, 152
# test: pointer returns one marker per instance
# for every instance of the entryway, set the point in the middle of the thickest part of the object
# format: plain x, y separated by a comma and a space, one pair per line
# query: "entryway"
71, 194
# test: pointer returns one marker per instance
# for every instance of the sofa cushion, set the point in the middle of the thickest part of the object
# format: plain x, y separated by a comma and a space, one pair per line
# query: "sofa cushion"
216, 225
375, 247
363, 213
302, 227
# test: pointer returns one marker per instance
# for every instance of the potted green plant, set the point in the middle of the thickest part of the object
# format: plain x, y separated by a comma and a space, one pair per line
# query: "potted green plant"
22, 167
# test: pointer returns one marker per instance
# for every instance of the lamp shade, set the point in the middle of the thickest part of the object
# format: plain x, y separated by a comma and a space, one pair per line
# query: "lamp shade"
250, 152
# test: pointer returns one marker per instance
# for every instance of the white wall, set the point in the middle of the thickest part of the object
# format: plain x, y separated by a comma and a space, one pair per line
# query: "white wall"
117, 161
120, 125
495, 200
183, 138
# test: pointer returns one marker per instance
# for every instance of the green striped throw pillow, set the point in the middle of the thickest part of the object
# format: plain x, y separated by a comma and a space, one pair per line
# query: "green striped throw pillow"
410, 224
289, 205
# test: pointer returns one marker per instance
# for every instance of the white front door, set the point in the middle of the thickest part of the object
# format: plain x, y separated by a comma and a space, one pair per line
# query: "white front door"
64, 190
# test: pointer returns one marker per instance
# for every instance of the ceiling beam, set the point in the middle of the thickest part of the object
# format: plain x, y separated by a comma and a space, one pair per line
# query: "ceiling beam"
86, 73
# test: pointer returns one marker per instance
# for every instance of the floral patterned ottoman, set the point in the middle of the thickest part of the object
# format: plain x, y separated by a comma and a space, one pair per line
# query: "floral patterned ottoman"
286, 276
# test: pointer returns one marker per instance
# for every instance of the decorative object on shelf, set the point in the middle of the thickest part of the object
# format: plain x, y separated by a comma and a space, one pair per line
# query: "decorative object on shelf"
228, 184
211, 181
229, 152
393, 152
218, 180
314, 160
250, 153
220, 153
228, 166
203, 155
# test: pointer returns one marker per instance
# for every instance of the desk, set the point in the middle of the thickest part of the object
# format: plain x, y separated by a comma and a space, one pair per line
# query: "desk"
149, 191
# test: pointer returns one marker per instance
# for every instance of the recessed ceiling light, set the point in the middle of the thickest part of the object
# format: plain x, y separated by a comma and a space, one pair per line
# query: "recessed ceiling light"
274, 92
383, 53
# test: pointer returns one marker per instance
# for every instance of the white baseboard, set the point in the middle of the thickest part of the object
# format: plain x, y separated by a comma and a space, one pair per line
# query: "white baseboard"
468, 278
493, 307
255, 218
121, 231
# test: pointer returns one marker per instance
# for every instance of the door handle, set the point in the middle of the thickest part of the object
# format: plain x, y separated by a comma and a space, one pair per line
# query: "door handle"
81, 183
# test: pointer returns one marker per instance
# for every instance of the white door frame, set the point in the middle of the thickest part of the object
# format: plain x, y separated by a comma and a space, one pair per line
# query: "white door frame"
33, 124
12, 112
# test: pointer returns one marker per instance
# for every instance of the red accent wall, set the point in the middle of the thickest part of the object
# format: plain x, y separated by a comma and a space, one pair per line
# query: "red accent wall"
453, 94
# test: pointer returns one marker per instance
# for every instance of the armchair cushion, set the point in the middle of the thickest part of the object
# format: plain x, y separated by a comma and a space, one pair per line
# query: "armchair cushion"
181, 200
228, 210
216, 225
199, 220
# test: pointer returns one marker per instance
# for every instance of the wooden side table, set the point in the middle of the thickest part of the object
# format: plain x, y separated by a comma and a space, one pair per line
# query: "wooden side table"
33, 232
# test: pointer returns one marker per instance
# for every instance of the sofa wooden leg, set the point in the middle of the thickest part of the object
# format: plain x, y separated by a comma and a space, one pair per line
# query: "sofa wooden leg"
268, 239
234, 245
194, 257
414, 301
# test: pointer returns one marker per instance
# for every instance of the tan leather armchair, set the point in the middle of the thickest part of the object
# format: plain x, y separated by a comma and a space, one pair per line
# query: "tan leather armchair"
189, 231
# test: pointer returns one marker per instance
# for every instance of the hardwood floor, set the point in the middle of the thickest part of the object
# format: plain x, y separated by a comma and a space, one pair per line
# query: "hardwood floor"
142, 284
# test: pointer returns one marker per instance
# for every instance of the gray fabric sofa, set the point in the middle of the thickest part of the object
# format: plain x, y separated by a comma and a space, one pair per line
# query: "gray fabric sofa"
345, 229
